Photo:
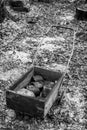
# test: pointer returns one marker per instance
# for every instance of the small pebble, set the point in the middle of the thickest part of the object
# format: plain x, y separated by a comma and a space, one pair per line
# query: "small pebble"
55, 82
45, 91
11, 113
38, 85
26, 117
26, 92
21, 123
30, 87
7, 119
34, 89
38, 78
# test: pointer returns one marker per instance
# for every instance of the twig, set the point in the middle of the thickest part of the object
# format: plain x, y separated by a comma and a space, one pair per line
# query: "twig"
74, 37
48, 30
59, 26
36, 53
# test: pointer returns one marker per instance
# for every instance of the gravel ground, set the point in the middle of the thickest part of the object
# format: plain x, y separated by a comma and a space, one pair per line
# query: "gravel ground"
18, 46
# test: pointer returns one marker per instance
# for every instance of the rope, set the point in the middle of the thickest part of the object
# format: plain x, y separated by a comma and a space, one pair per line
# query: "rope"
74, 37
36, 53
72, 51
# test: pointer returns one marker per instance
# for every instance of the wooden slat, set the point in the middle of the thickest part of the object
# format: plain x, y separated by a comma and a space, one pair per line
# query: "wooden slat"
23, 81
52, 96
24, 104
34, 105
47, 74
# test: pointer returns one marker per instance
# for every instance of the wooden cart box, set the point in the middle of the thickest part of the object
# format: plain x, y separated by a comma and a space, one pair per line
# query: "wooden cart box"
36, 106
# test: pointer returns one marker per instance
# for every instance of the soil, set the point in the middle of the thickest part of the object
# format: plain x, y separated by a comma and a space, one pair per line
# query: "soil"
24, 42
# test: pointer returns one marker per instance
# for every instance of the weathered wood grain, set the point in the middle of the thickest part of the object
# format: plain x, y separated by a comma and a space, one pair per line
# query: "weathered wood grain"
52, 96
37, 106
49, 75
25, 104
24, 80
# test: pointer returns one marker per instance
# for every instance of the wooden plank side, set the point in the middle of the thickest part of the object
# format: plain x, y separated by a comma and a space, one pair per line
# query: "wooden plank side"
23, 81
24, 104
52, 96
47, 74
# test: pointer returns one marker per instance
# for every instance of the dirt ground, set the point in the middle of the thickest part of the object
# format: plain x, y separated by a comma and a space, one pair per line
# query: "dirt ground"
43, 44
